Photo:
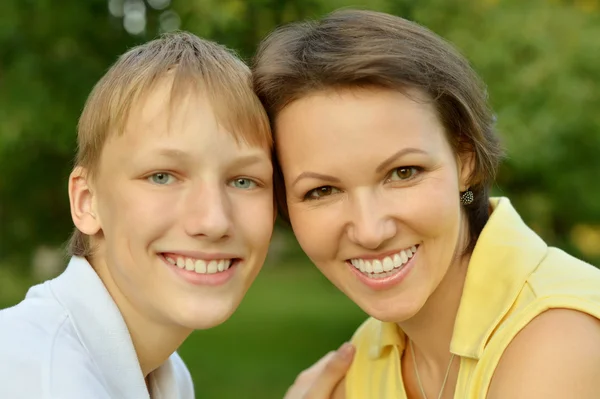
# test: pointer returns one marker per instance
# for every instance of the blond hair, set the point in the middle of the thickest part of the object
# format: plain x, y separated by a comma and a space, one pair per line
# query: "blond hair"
195, 64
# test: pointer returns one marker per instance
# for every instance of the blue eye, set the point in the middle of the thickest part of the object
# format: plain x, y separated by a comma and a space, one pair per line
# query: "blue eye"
243, 183
161, 178
320, 192
404, 173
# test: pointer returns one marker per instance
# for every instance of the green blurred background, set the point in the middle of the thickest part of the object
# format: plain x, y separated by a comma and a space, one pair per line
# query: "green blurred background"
540, 59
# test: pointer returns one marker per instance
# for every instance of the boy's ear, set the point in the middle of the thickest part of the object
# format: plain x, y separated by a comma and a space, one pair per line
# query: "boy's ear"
83, 204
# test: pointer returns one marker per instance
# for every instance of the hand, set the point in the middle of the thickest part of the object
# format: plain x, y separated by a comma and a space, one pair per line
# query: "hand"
322, 378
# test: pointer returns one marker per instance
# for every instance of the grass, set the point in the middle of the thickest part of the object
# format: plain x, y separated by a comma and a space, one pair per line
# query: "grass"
290, 318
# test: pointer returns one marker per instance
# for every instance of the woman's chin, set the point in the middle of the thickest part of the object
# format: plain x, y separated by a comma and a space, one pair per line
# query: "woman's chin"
397, 312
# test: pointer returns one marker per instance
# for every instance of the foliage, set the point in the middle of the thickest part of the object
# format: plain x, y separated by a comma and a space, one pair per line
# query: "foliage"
540, 60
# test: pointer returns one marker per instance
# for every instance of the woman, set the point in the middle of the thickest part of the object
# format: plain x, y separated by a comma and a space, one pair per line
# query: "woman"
386, 153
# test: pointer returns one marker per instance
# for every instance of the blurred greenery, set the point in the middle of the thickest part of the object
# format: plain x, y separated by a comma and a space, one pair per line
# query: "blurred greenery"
539, 58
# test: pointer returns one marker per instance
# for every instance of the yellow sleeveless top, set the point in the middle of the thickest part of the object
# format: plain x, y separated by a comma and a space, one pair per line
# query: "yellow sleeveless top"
513, 276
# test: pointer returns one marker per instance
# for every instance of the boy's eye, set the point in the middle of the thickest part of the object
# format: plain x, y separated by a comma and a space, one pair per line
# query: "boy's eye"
403, 173
161, 178
320, 192
243, 183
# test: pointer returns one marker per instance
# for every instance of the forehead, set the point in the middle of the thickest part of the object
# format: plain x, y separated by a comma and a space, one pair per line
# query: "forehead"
341, 118
161, 104
182, 128
172, 101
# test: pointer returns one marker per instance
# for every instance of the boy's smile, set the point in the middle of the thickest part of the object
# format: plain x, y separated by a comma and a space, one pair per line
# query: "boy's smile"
202, 268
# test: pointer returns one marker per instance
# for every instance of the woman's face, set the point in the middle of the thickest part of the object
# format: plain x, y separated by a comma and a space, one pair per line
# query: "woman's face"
373, 192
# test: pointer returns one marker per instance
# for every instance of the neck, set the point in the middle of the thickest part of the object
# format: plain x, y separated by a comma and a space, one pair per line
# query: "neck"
154, 341
432, 327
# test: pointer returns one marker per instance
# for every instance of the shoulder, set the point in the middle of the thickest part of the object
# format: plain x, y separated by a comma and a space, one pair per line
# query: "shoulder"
560, 269
556, 355
29, 329
42, 356
563, 281
70, 370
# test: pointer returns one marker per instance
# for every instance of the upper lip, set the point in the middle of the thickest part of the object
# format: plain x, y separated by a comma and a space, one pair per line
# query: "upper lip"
383, 254
202, 255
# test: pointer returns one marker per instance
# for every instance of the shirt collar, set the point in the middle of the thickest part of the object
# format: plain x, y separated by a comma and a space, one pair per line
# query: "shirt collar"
506, 253
388, 334
103, 332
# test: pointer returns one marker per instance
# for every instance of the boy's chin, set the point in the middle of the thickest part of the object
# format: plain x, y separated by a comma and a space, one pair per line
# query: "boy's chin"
203, 318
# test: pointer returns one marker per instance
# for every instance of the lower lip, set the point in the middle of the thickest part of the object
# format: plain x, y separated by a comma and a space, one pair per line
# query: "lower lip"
213, 279
385, 283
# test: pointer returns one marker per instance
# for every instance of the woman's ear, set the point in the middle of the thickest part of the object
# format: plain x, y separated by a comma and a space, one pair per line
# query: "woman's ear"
83, 202
466, 169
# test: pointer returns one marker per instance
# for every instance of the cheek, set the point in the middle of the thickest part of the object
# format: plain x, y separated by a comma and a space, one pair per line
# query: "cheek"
316, 231
253, 219
434, 217
435, 211
137, 214
433, 205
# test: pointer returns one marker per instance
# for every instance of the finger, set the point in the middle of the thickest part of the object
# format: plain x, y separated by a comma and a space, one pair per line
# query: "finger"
305, 379
310, 373
332, 373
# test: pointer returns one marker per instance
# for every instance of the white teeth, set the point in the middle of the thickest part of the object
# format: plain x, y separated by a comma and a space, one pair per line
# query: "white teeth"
388, 264
379, 268
212, 267
404, 256
200, 266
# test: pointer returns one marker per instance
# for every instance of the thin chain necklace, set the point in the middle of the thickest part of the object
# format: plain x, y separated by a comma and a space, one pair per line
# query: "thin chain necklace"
412, 352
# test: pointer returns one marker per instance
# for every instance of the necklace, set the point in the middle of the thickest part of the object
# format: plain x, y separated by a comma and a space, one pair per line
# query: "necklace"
412, 352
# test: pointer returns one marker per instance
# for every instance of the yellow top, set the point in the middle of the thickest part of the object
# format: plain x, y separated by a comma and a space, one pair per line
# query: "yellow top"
513, 276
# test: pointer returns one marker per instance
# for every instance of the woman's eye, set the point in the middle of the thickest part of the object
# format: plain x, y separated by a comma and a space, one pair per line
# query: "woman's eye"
243, 183
403, 173
161, 178
321, 192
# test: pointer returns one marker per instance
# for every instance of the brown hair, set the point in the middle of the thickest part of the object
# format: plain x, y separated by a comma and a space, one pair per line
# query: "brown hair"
355, 49
195, 64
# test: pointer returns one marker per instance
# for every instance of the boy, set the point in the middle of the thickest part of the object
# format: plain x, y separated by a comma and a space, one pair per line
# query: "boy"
171, 196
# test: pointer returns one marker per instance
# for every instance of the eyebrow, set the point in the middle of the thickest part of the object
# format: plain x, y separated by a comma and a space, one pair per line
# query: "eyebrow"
385, 164
242, 161
313, 175
382, 166
247, 160
172, 153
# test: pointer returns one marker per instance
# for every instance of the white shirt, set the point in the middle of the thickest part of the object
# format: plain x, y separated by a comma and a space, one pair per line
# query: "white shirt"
68, 340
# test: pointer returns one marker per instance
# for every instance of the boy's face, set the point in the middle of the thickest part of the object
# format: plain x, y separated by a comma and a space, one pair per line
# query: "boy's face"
185, 213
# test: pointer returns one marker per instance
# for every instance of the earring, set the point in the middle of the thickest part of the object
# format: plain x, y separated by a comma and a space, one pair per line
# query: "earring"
467, 197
